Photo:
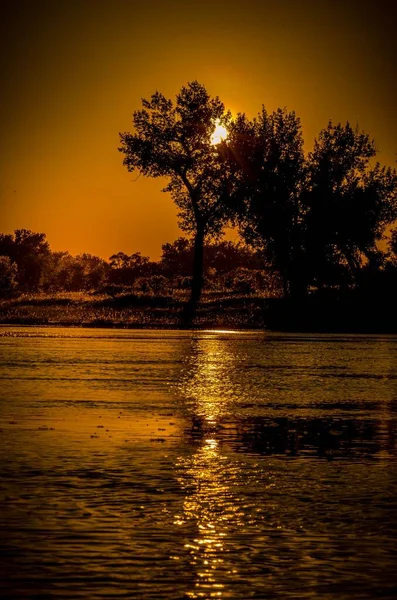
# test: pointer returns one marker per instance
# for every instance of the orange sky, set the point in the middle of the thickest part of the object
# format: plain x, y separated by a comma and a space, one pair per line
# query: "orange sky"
73, 71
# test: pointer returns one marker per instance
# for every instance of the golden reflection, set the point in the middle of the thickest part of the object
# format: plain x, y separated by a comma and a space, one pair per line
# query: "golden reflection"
210, 508
208, 381
228, 331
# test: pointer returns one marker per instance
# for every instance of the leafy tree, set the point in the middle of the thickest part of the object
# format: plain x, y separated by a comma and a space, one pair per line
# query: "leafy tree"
349, 204
8, 276
219, 256
226, 256
7, 245
58, 272
317, 218
125, 269
87, 272
30, 251
393, 245
177, 258
173, 140
268, 153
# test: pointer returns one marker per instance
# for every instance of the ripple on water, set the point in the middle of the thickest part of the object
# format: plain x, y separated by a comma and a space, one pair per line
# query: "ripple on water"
197, 465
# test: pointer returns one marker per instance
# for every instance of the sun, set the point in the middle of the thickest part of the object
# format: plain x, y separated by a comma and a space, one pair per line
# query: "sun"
219, 134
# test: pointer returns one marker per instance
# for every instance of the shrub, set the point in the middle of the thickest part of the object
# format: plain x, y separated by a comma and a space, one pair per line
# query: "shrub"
8, 276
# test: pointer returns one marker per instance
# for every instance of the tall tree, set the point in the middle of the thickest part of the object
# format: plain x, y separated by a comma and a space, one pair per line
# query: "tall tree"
349, 204
268, 153
87, 272
317, 218
173, 140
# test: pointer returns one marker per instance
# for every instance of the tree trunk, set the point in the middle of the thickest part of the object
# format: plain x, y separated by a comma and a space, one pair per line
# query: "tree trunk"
198, 266
198, 269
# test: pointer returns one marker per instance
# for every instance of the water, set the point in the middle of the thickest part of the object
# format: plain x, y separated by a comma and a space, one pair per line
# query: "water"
167, 464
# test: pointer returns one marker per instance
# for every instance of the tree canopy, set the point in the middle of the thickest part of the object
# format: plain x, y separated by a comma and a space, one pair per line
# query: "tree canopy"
349, 203
268, 153
30, 251
173, 140
317, 217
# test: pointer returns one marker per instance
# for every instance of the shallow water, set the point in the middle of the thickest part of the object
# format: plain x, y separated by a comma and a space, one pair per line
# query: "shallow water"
167, 464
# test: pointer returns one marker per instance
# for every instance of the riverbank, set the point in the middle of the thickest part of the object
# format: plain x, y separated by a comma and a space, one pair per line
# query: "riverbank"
132, 311
327, 313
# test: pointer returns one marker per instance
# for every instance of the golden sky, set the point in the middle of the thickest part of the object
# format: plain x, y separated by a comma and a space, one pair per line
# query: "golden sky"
73, 71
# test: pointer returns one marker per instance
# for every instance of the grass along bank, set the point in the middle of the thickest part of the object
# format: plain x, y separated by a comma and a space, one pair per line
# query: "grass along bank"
132, 310
332, 311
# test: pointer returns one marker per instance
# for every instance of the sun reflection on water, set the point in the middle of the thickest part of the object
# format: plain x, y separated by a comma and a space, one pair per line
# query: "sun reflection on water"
210, 507
207, 383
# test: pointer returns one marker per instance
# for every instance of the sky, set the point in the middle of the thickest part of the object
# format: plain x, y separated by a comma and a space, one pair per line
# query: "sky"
73, 71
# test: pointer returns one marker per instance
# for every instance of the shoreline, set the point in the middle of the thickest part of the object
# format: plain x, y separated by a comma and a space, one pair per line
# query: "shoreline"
193, 327
310, 315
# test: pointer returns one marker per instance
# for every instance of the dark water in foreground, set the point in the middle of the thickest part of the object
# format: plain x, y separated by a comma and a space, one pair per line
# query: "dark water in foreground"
167, 464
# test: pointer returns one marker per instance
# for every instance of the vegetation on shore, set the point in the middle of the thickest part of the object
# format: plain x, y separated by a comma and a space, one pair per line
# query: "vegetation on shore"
316, 217
352, 312
319, 242
131, 310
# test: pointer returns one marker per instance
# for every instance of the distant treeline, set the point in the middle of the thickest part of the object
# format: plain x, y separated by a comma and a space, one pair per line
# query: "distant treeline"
27, 264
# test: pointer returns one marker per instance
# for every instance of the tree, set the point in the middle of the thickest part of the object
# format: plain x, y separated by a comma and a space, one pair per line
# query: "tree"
393, 245
8, 276
268, 153
125, 269
316, 218
225, 256
58, 272
30, 251
177, 257
173, 140
220, 257
349, 204
87, 272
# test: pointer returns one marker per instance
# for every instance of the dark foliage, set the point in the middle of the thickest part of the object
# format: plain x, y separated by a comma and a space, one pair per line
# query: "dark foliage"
318, 218
30, 252
173, 140
313, 223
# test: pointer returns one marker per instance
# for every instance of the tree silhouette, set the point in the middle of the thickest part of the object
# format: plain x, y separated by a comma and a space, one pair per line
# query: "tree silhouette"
316, 218
87, 272
173, 140
349, 204
8, 276
393, 245
177, 257
30, 251
268, 152
125, 269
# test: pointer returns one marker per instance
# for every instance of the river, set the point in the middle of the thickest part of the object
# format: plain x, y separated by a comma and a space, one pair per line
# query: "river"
197, 464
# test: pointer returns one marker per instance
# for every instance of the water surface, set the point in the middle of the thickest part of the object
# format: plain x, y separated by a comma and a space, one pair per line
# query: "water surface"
168, 464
